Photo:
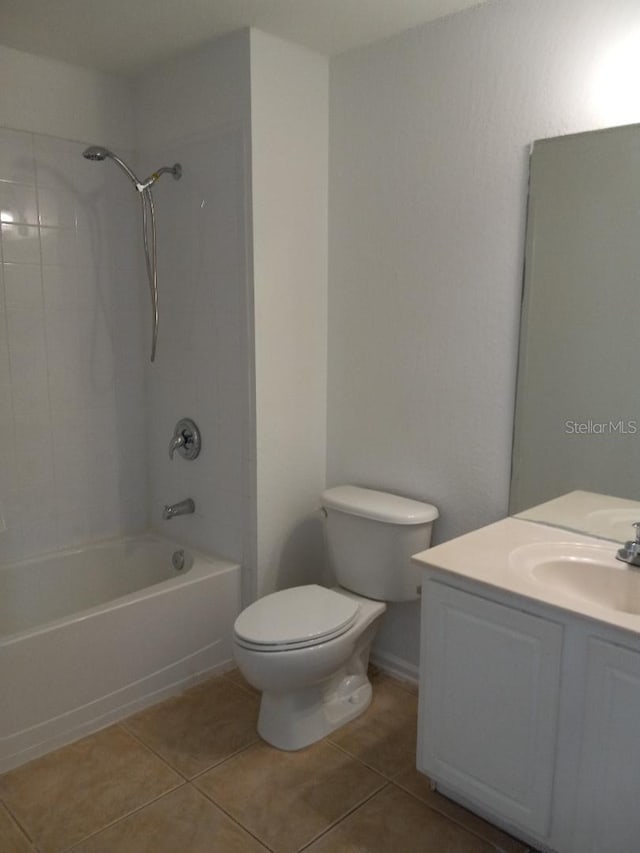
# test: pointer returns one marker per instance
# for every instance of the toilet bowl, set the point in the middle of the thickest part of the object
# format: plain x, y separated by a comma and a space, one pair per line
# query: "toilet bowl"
307, 648
313, 678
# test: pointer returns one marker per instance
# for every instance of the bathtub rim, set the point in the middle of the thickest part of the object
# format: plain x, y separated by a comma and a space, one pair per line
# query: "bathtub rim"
197, 572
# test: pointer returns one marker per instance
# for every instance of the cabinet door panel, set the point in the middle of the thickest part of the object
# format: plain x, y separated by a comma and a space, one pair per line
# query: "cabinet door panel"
608, 815
489, 709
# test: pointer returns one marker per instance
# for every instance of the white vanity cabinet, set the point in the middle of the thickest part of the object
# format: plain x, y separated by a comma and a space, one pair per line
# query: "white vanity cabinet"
491, 677
530, 716
608, 795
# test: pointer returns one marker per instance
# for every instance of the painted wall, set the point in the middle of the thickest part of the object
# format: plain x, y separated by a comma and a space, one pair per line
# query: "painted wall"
73, 410
428, 168
289, 131
195, 110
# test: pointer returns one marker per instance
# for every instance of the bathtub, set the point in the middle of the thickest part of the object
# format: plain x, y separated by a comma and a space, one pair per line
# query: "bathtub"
91, 635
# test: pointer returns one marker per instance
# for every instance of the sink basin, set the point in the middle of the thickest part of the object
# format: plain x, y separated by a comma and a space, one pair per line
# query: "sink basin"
587, 572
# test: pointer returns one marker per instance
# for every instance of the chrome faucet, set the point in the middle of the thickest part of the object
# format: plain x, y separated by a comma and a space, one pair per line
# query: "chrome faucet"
185, 507
630, 552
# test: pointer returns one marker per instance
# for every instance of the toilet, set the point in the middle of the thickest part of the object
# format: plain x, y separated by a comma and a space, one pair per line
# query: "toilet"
307, 648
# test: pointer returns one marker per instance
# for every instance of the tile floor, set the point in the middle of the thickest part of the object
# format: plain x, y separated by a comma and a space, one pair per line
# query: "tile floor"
190, 775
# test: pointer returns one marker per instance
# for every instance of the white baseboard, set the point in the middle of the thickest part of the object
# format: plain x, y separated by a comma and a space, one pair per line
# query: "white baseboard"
395, 666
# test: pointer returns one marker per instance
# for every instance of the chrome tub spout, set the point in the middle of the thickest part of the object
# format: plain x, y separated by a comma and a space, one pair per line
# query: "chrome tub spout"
185, 507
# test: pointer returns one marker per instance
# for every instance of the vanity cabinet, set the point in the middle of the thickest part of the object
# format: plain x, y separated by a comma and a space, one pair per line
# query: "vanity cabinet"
608, 797
529, 718
529, 709
492, 676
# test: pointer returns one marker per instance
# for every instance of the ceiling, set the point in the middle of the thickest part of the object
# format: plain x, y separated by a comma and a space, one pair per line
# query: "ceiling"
123, 36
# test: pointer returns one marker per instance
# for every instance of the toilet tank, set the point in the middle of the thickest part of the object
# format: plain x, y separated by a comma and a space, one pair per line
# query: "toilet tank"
371, 536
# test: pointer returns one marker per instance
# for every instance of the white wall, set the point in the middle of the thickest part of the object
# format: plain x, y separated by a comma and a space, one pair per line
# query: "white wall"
73, 402
428, 167
289, 130
195, 110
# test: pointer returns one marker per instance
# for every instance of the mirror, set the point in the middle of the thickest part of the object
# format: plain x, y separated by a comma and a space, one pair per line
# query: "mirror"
577, 419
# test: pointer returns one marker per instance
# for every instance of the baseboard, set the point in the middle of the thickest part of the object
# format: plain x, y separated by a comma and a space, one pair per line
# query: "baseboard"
396, 667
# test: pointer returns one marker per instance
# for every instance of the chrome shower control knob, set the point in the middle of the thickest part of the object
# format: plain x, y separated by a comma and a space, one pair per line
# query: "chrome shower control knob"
186, 440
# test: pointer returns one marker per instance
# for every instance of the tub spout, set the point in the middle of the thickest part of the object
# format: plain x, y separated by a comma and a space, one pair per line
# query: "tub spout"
181, 508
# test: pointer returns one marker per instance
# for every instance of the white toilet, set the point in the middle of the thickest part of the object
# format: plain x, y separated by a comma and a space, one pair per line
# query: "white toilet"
307, 648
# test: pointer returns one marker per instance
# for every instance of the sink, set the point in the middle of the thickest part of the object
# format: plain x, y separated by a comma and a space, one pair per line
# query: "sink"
587, 572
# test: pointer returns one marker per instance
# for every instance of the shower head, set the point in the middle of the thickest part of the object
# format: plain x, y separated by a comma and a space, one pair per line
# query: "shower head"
96, 153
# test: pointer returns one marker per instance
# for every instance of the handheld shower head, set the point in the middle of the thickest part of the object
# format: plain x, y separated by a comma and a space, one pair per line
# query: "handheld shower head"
96, 153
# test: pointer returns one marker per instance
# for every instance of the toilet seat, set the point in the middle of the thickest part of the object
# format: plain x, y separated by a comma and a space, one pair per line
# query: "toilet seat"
295, 618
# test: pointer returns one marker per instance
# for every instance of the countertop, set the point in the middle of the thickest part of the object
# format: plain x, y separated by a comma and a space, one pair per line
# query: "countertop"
487, 556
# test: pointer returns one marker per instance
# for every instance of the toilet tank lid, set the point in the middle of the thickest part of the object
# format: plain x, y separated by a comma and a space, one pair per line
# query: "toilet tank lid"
379, 506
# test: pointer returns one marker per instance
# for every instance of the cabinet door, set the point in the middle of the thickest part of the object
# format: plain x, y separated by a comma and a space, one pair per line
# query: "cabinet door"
608, 812
489, 703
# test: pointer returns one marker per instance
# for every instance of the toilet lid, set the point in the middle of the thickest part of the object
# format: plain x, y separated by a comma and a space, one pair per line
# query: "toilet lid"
302, 615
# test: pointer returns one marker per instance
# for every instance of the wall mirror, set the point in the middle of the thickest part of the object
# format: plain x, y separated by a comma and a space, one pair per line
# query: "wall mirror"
577, 419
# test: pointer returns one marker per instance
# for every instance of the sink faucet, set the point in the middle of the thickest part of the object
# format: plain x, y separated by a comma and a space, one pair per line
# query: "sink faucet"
181, 508
630, 552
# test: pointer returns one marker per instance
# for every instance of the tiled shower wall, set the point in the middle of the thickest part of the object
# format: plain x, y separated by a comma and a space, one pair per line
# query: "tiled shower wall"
73, 309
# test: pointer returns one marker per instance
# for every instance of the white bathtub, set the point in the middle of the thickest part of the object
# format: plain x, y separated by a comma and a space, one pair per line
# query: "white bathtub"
91, 635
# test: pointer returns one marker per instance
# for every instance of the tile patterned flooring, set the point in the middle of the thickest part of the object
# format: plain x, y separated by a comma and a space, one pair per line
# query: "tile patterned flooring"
190, 775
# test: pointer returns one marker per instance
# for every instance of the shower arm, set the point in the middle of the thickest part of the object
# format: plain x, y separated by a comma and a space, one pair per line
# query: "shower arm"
175, 170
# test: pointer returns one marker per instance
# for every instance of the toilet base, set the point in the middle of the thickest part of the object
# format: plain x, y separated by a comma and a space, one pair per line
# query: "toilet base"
299, 718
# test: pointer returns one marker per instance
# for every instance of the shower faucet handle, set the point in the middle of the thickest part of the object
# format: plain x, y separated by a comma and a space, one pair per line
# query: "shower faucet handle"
186, 439
174, 444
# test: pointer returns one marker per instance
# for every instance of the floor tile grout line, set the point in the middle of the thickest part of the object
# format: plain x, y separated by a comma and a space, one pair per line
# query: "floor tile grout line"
387, 776
14, 818
150, 749
122, 817
453, 820
347, 814
224, 760
234, 819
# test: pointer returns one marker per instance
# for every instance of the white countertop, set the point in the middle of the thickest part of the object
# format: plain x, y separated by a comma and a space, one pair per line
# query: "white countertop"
486, 556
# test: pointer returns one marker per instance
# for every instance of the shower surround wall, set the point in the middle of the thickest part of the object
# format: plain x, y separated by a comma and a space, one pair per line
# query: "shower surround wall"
201, 368
196, 110
79, 443
73, 412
